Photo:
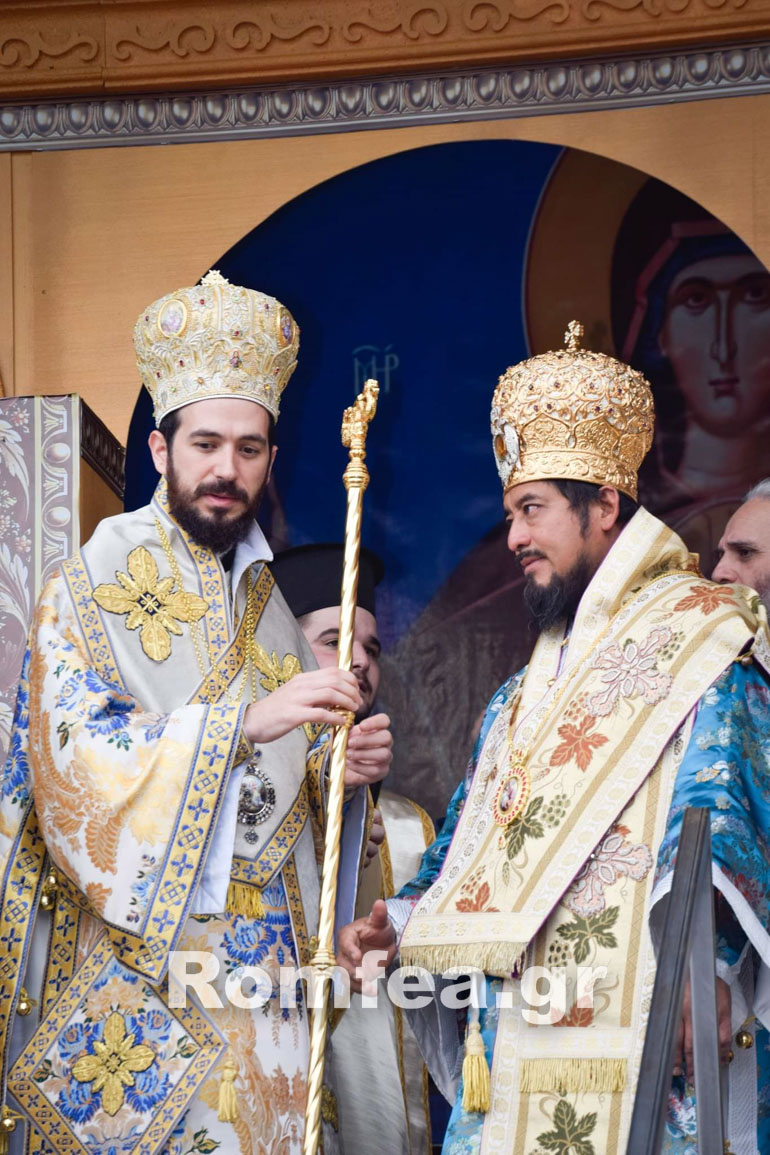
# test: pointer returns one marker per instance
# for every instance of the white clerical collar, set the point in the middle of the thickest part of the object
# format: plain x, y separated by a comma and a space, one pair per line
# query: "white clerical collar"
252, 549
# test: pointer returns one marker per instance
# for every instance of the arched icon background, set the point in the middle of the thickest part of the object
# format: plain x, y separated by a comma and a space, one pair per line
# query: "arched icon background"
433, 270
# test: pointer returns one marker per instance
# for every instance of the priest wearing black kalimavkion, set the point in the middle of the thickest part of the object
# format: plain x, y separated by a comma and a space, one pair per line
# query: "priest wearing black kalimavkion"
166, 781
646, 693
373, 1046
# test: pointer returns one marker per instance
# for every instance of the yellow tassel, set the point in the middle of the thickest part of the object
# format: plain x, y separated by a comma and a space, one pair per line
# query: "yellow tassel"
499, 959
7, 1125
572, 1076
246, 900
475, 1070
228, 1099
329, 1112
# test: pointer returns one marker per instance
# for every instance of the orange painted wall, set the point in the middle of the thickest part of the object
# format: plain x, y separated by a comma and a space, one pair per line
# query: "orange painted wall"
88, 238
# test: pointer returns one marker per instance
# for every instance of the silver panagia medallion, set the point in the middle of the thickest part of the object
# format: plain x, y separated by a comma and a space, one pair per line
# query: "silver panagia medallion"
257, 797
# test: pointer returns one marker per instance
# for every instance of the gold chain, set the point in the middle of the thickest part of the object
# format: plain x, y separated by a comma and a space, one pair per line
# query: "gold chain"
250, 615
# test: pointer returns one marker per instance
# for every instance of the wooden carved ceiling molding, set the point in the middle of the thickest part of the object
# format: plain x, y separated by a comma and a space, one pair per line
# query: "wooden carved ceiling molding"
60, 49
395, 102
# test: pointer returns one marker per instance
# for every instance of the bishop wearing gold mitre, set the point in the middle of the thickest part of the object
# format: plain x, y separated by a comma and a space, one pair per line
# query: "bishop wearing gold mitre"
647, 692
165, 779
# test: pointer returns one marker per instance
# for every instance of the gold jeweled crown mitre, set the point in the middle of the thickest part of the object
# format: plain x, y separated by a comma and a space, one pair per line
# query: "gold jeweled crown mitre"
572, 414
215, 340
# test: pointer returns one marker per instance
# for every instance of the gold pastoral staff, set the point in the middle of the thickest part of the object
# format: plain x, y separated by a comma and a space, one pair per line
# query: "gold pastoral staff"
355, 425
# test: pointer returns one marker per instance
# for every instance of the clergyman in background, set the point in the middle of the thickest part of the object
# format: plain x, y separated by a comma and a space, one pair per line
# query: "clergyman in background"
373, 1047
743, 553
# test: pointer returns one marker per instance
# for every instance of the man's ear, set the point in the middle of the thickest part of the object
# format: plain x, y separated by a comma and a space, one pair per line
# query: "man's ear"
159, 451
609, 507
273, 452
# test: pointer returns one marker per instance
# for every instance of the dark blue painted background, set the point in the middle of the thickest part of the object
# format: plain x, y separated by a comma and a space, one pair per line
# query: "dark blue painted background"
419, 256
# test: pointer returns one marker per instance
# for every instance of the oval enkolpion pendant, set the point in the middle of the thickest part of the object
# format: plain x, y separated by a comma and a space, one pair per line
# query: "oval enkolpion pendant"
512, 794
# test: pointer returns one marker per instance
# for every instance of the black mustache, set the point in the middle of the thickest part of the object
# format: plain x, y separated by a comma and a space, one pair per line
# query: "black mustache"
527, 553
222, 489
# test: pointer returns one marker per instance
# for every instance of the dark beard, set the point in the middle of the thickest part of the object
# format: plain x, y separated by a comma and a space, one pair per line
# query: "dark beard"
558, 601
216, 532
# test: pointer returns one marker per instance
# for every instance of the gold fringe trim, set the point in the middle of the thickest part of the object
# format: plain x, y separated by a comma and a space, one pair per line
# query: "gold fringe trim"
245, 900
475, 1071
228, 1099
493, 958
329, 1112
565, 1076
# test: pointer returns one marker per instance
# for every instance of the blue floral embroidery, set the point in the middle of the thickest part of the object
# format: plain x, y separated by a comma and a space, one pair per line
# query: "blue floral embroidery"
16, 774
83, 682
16, 779
153, 731
142, 887
105, 721
725, 769
248, 942
123, 1146
21, 711
153, 1027
70, 693
149, 1089
76, 1102
104, 707
115, 970
77, 1038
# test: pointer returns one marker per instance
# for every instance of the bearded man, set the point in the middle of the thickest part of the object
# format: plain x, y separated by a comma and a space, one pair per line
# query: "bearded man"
646, 693
165, 775
743, 553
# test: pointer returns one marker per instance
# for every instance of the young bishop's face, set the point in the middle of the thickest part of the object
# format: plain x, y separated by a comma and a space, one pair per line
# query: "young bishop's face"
322, 627
217, 467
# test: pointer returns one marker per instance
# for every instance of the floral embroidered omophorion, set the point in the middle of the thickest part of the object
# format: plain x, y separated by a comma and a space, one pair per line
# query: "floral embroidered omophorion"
583, 741
565, 890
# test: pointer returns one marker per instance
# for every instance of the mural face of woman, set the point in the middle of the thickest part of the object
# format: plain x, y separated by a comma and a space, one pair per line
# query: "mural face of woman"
716, 335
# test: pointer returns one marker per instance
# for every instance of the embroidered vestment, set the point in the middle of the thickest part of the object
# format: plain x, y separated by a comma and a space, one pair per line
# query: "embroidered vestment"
119, 812
613, 717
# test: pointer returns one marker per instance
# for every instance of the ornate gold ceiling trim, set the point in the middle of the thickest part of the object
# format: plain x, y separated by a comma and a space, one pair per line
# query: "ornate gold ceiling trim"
532, 90
60, 48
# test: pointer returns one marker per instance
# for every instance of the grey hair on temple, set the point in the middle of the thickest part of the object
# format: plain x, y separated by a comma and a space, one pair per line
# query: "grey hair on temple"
761, 489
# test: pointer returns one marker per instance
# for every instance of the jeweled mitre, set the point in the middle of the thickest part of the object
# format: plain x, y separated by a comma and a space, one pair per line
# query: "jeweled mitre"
572, 414
215, 340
